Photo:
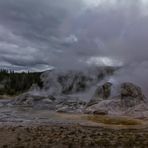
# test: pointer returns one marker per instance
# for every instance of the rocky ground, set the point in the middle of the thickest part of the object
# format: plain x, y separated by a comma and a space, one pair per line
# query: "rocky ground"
25, 127
106, 120
65, 133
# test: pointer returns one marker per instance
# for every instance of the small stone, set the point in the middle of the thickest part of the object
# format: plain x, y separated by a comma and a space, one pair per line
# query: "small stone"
100, 112
47, 101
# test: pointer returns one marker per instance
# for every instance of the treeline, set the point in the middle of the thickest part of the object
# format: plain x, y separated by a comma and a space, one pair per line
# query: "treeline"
12, 83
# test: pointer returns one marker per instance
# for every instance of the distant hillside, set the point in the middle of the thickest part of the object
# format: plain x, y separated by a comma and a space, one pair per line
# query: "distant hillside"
16, 83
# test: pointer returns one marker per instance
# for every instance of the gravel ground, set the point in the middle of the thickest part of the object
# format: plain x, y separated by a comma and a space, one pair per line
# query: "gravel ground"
70, 136
23, 127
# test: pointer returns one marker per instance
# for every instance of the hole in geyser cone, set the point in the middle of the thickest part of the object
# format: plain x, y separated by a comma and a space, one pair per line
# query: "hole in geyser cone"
115, 86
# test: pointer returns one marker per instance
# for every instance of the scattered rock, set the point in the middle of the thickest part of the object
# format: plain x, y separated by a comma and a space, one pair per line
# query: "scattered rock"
100, 112
47, 101
139, 111
71, 105
63, 103
111, 106
64, 109
34, 101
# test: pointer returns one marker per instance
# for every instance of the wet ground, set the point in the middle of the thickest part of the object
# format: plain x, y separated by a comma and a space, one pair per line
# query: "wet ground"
27, 115
27, 127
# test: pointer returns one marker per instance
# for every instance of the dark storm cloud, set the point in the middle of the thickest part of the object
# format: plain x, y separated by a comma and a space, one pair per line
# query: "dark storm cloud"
72, 33
33, 19
30, 30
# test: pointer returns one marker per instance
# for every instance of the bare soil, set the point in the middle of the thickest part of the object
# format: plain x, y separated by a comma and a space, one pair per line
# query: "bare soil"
24, 127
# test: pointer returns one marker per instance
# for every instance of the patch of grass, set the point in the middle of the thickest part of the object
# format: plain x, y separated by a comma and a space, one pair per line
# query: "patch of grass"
114, 120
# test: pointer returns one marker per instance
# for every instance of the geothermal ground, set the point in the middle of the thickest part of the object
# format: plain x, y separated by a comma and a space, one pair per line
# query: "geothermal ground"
106, 120
27, 127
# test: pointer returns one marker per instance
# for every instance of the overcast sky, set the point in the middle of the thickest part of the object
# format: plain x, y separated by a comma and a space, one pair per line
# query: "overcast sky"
37, 34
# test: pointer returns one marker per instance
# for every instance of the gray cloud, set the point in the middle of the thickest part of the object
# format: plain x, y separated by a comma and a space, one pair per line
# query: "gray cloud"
67, 34
31, 30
